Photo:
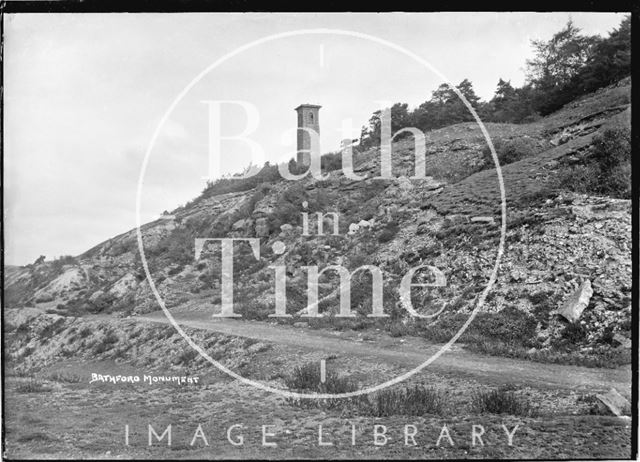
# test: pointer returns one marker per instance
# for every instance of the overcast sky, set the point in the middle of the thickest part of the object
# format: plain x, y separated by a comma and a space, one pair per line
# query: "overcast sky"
85, 92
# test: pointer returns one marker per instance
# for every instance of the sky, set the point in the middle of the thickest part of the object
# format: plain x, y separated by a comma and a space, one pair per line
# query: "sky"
84, 94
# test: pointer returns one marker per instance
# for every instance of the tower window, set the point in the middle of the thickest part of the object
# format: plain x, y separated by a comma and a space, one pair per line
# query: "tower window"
311, 117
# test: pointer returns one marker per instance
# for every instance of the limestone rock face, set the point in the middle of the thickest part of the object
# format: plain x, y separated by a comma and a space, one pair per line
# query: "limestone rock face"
71, 279
577, 302
123, 285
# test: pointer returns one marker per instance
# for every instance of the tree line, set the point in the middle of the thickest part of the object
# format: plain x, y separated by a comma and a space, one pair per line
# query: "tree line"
569, 65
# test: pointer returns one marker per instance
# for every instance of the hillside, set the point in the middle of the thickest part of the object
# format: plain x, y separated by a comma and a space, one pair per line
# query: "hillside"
562, 238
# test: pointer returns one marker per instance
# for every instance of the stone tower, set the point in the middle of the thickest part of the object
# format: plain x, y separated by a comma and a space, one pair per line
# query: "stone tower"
307, 118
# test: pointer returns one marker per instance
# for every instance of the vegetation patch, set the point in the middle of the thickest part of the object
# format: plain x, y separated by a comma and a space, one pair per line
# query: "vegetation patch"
416, 401
501, 401
32, 385
606, 169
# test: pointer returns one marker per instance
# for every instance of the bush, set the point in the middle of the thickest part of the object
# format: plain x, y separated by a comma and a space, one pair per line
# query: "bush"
606, 170
63, 260
416, 401
389, 232
501, 401
331, 162
186, 356
510, 151
509, 325
397, 329
307, 378
85, 332
106, 343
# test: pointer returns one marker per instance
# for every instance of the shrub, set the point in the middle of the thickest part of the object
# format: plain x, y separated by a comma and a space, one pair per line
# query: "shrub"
389, 231
85, 332
111, 338
501, 401
510, 151
106, 343
416, 401
606, 169
63, 260
331, 162
397, 329
307, 378
574, 333
186, 356
509, 325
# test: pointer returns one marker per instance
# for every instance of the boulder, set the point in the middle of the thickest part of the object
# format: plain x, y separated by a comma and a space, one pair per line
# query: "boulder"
622, 340
573, 307
239, 225
94, 296
353, 228
615, 403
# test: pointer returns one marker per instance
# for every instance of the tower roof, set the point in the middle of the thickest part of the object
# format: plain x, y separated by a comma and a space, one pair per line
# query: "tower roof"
313, 106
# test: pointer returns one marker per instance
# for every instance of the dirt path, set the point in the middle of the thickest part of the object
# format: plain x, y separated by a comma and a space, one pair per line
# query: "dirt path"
410, 352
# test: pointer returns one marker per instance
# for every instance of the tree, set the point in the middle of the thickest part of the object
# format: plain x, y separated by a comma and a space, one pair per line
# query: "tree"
609, 62
466, 88
510, 104
561, 58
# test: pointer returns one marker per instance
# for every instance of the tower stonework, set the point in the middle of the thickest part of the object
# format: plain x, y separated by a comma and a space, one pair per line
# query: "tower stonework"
308, 118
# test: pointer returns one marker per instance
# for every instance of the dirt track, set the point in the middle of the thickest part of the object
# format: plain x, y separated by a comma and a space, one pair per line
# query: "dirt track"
411, 352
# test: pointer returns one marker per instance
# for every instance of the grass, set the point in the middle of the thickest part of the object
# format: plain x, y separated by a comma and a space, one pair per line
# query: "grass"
64, 377
501, 401
33, 385
35, 436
